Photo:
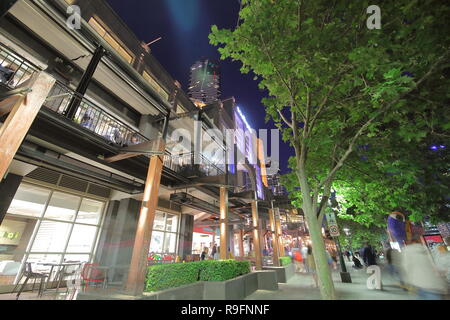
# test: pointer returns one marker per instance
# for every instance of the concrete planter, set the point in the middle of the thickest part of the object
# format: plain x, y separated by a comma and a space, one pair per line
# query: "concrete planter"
284, 273
235, 289
267, 280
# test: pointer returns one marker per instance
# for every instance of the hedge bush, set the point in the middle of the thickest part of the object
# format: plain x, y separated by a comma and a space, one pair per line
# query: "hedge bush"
284, 261
161, 277
213, 270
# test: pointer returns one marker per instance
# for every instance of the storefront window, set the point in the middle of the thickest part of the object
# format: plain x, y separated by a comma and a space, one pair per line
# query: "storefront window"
51, 237
82, 239
62, 206
164, 235
90, 212
44, 226
156, 245
29, 201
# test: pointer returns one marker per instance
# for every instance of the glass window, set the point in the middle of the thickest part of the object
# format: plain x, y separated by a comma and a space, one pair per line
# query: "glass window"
82, 258
62, 206
38, 262
156, 244
172, 223
108, 37
159, 222
29, 201
51, 237
170, 243
90, 212
82, 238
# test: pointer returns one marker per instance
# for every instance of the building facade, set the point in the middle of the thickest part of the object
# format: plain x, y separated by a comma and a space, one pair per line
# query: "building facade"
78, 182
204, 85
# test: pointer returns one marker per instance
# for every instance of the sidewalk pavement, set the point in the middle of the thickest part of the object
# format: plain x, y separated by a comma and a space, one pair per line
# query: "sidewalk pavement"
301, 287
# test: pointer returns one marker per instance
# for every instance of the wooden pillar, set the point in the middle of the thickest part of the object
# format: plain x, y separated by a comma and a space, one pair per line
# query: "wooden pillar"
224, 234
22, 112
256, 235
138, 267
275, 239
241, 242
279, 232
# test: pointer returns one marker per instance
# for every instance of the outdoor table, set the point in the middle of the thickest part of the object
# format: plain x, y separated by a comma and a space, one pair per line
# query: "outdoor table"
60, 271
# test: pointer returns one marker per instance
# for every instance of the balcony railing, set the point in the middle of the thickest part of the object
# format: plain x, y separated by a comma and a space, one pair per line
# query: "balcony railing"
91, 117
184, 164
14, 69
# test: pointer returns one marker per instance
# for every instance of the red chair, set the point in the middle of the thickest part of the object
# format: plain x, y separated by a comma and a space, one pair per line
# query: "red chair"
91, 273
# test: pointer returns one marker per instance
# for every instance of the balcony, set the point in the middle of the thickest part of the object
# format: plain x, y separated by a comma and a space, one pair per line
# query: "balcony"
184, 165
92, 118
14, 69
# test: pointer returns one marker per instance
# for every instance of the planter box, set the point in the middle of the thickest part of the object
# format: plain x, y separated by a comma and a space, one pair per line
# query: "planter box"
267, 280
188, 292
284, 273
235, 289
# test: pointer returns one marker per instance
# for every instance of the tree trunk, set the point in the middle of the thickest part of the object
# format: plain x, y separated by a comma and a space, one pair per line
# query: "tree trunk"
326, 284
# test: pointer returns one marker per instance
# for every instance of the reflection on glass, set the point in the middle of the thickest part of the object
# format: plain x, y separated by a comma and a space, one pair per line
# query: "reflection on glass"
38, 261
62, 206
156, 244
82, 258
90, 212
170, 243
51, 237
82, 239
172, 223
158, 224
29, 200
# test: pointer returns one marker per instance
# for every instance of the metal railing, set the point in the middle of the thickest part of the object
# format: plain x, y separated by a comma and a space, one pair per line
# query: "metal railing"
14, 69
185, 162
91, 117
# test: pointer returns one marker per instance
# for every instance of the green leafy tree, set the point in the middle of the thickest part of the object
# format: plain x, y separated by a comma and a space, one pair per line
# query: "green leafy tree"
332, 82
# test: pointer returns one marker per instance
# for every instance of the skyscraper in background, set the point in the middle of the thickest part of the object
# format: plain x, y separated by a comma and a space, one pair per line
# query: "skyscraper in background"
204, 82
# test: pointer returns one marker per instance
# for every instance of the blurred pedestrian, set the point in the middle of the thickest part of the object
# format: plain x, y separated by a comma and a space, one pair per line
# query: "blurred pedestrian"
394, 266
204, 253
369, 255
442, 261
356, 263
304, 252
298, 260
213, 252
420, 272
348, 255
312, 266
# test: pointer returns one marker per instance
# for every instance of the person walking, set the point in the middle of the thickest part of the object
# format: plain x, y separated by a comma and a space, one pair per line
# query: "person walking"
369, 256
204, 254
421, 274
312, 266
348, 255
304, 252
213, 252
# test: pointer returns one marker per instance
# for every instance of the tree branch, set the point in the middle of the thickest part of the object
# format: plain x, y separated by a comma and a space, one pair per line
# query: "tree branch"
285, 119
381, 111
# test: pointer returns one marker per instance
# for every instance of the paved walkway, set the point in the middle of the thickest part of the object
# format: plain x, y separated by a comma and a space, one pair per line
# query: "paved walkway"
301, 287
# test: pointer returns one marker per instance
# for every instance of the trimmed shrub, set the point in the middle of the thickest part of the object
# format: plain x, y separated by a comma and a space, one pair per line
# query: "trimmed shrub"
161, 277
223, 270
167, 276
284, 261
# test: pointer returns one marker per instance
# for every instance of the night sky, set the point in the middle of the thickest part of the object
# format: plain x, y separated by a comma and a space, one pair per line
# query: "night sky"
185, 26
